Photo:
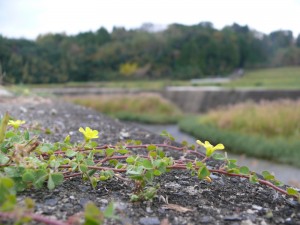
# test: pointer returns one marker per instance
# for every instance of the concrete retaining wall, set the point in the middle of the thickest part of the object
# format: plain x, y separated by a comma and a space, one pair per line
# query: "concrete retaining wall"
200, 99
189, 99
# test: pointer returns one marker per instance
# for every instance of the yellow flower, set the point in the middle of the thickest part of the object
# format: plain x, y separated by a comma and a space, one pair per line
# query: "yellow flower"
88, 133
16, 123
210, 148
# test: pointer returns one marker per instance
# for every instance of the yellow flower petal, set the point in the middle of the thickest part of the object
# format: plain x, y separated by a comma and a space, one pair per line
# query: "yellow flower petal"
199, 142
16, 123
209, 147
219, 147
89, 133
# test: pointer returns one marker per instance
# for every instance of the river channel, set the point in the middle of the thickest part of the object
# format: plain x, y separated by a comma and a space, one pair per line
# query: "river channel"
285, 173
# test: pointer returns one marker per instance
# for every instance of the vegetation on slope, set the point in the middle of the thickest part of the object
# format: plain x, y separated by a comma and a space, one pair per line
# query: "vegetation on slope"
146, 108
276, 78
269, 130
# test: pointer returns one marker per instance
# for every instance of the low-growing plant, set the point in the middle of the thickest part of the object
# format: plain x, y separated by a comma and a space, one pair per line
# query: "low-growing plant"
26, 162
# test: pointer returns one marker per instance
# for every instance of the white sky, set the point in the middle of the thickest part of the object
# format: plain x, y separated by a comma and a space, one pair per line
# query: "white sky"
28, 18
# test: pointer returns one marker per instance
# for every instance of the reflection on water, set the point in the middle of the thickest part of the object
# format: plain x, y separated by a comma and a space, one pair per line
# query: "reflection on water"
287, 174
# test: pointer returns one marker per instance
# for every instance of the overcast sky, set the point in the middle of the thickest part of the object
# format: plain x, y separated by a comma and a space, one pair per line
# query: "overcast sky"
28, 18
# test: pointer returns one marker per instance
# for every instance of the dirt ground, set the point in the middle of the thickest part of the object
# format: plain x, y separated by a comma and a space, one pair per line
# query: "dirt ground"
181, 199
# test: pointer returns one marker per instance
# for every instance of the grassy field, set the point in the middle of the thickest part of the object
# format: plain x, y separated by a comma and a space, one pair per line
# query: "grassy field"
146, 108
269, 130
278, 78
134, 84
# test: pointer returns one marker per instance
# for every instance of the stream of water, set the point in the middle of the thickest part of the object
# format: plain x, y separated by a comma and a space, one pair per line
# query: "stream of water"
285, 173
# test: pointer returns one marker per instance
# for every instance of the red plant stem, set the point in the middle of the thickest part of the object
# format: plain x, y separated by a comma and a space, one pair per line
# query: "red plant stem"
168, 146
140, 146
33, 216
178, 164
113, 157
265, 182
43, 219
85, 150
72, 175
98, 168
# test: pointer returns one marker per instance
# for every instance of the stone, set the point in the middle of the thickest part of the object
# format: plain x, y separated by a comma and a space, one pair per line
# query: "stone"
149, 221
51, 201
257, 207
205, 219
232, 218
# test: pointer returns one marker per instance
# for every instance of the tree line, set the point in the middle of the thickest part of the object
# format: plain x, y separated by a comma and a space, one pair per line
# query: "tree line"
177, 52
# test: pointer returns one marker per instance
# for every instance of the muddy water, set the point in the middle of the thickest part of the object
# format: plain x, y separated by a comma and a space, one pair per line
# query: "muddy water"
286, 174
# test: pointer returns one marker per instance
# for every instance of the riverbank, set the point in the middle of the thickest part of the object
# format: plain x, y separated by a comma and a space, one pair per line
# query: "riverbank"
226, 200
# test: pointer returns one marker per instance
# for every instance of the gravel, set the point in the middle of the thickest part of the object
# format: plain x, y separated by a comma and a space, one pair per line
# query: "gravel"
226, 200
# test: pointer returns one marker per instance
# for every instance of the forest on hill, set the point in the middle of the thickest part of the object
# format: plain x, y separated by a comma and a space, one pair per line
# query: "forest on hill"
177, 52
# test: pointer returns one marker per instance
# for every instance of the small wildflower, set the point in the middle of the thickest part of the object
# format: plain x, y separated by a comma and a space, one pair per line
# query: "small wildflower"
210, 148
16, 124
88, 133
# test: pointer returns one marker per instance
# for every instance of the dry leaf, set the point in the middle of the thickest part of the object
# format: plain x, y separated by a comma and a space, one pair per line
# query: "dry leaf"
177, 208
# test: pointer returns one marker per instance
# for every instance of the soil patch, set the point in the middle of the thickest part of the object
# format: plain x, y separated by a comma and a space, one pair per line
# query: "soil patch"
225, 200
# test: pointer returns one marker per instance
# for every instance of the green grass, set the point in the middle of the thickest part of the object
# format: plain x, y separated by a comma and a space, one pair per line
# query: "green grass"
146, 108
135, 84
272, 78
275, 149
269, 130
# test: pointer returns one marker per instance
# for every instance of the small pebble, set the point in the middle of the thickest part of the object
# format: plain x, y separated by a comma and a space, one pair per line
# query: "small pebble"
83, 201
64, 200
288, 220
41, 112
247, 222
53, 112
103, 201
51, 201
257, 207
205, 219
250, 211
191, 190
149, 221
66, 207
173, 185
23, 109
263, 222
120, 206
149, 210
232, 218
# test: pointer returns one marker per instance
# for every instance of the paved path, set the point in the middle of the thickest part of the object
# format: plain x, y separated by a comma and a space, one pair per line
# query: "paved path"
4, 92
